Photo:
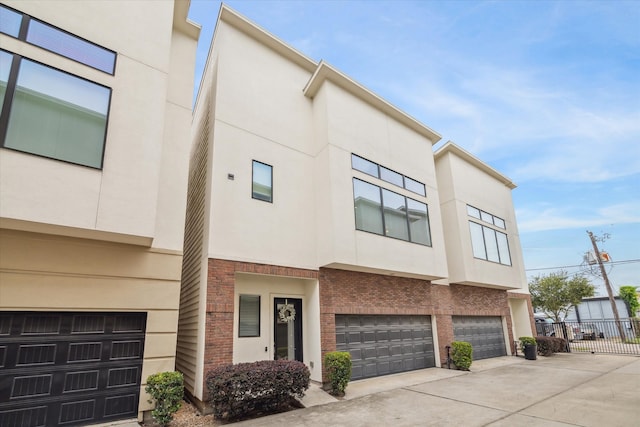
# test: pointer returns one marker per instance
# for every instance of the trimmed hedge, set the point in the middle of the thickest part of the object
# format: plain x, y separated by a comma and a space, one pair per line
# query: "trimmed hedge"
167, 391
267, 385
338, 366
549, 345
462, 354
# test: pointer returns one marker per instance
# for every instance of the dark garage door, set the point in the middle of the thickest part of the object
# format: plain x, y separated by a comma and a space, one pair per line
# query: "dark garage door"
69, 368
385, 344
483, 332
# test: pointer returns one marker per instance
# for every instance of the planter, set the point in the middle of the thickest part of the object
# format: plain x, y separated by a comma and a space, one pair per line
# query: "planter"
530, 351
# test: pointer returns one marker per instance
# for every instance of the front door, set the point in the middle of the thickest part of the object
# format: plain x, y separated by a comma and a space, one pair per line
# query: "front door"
288, 328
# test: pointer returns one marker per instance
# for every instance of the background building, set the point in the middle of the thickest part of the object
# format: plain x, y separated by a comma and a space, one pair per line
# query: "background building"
93, 177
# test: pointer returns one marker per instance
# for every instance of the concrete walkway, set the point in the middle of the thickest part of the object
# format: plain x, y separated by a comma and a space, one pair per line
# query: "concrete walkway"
562, 390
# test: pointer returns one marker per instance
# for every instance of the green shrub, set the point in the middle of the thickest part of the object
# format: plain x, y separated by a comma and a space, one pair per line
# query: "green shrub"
524, 341
549, 345
338, 366
462, 354
267, 385
167, 390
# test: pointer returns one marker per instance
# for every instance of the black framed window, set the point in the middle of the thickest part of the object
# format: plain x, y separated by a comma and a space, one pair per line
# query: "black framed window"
370, 168
262, 181
489, 244
249, 317
56, 40
486, 217
51, 113
384, 212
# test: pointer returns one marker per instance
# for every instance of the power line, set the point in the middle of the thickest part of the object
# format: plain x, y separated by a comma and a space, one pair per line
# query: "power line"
626, 261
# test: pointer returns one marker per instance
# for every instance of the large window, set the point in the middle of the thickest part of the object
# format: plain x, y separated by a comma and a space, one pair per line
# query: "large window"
489, 244
262, 182
52, 113
370, 168
249, 321
384, 212
46, 111
23, 27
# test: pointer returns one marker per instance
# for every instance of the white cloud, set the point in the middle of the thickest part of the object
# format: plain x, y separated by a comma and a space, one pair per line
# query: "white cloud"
556, 218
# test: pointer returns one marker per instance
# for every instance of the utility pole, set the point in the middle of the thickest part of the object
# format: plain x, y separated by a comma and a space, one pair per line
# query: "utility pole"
607, 285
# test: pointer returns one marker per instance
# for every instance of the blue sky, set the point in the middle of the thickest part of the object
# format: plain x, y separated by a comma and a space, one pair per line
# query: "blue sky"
546, 92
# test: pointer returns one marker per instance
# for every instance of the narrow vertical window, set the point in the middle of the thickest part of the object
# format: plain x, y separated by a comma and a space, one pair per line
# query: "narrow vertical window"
368, 207
477, 241
395, 215
418, 222
249, 321
262, 182
6, 59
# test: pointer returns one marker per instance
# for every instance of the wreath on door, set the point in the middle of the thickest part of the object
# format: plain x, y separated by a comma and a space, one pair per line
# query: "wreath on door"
287, 313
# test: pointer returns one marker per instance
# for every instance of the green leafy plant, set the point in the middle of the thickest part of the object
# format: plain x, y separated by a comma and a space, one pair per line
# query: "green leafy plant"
338, 366
628, 295
555, 294
167, 391
525, 341
267, 386
462, 354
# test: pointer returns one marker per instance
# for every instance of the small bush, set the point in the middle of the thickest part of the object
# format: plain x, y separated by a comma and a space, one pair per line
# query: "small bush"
338, 366
462, 354
236, 390
549, 345
167, 390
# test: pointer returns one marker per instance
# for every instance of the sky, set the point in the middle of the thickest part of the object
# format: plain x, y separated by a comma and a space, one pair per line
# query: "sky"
546, 92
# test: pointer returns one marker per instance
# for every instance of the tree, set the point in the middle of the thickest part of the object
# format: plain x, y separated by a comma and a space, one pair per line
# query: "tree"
628, 295
556, 293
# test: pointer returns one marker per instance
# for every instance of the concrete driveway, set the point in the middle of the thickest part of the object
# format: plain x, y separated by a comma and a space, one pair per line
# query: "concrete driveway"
562, 390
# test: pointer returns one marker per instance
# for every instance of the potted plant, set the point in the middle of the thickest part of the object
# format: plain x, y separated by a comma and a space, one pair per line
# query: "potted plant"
529, 347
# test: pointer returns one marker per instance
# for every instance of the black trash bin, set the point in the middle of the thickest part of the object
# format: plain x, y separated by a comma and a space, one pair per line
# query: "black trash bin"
530, 351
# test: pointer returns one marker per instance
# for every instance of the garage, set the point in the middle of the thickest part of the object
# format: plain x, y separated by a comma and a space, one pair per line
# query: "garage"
69, 368
385, 344
485, 334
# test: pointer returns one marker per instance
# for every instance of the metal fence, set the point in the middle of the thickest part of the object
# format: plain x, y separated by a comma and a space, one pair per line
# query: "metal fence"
596, 336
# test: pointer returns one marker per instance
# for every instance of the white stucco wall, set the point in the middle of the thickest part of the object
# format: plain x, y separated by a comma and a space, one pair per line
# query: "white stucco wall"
137, 192
261, 114
462, 183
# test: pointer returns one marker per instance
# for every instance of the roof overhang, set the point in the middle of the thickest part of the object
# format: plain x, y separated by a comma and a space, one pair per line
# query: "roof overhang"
450, 147
325, 72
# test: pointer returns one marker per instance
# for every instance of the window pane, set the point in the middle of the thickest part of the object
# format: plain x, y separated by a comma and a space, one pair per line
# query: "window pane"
391, 176
415, 186
5, 66
477, 240
70, 46
10, 21
486, 217
395, 215
503, 248
471, 211
368, 209
498, 222
58, 115
249, 322
491, 244
419, 222
364, 165
262, 187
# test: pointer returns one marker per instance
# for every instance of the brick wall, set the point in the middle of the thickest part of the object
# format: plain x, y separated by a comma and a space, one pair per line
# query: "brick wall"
349, 292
